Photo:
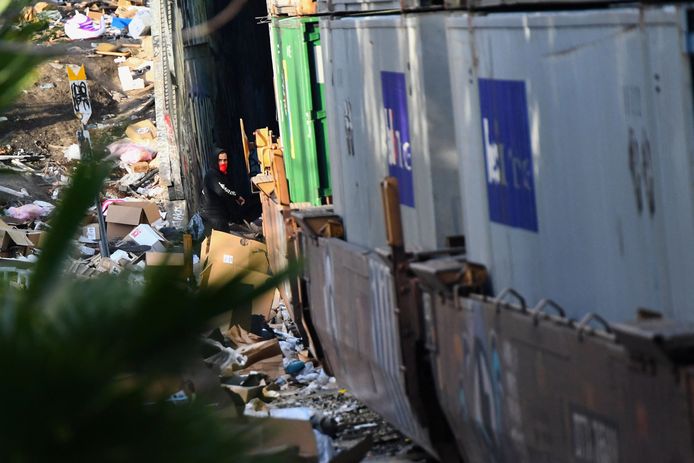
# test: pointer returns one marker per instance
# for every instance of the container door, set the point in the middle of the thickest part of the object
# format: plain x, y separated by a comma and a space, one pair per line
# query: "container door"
306, 112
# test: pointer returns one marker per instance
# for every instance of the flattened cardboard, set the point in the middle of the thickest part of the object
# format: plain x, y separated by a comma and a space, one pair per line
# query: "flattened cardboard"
216, 274
145, 235
279, 433
10, 237
141, 131
153, 258
235, 252
91, 231
38, 238
123, 217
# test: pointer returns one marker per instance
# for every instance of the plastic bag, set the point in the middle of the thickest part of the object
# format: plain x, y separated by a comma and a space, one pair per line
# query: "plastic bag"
82, 27
131, 152
141, 23
25, 213
196, 227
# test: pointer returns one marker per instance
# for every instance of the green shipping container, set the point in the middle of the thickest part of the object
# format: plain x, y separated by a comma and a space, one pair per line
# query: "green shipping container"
300, 93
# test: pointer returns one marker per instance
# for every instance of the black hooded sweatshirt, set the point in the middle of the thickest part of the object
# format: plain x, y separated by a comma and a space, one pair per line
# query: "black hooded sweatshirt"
219, 196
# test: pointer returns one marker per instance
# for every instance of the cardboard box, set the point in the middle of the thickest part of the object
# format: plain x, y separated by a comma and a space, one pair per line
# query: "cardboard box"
216, 274
141, 131
123, 217
273, 434
95, 15
12, 238
38, 238
91, 232
145, 235
235, 252
147, 46
153, 258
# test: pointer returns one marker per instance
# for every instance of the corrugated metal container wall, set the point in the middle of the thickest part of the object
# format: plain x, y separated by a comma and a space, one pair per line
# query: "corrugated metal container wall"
574, 132
391, 114
356, 6
300, 96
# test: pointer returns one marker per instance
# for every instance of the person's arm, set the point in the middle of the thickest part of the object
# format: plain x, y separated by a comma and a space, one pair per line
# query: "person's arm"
221, 189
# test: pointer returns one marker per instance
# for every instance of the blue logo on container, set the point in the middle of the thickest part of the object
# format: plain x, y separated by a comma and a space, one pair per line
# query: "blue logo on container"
505, 129
398, 133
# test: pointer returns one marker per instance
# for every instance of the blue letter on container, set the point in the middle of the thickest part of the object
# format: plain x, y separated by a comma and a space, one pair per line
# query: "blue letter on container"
398, 133
509, 161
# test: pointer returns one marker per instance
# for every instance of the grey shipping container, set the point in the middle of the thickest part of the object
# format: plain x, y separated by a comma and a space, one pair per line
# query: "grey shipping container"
574, 132
391, 114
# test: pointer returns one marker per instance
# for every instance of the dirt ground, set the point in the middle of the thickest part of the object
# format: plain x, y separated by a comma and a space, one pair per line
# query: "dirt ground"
42, 121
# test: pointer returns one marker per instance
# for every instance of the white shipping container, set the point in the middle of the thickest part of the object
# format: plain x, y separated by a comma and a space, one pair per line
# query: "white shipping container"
387, 85
574, 132
357, 6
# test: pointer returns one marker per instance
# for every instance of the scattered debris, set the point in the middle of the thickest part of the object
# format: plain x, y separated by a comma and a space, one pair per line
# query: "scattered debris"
73, 152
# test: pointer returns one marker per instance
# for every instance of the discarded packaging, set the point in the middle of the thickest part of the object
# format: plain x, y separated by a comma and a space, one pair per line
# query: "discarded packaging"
131, 152
72, 152
144, 130
82, 27
120, 23
145, 235
126, 80
123, 217
154, 258
141, 23
25, 213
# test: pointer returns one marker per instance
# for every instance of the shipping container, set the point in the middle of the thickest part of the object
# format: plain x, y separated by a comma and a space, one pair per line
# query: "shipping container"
391, 114
353, 310
576, 155
524, 384
497, 5
374, 6
301, 107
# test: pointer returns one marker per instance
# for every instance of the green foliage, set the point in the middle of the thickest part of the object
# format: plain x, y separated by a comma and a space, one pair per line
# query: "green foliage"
17, 59
81, 359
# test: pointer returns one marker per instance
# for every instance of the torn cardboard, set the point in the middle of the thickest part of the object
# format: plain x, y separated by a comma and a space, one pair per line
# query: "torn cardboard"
14, 238
145, 235
141, 131
235, 253
153, 258
91, 232
219, 274
123, 217
276, 434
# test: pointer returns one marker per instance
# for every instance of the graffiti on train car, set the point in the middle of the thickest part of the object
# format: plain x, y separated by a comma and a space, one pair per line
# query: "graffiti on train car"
595, 439
641, 168
505, 129
397, 127
481, 377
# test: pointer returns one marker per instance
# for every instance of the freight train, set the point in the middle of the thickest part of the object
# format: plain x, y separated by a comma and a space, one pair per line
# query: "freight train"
494, 204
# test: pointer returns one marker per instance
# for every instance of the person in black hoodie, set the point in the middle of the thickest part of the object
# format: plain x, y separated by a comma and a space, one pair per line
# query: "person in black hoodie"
221, 201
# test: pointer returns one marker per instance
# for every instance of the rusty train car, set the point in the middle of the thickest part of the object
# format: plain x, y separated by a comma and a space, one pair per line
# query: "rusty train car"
494, 211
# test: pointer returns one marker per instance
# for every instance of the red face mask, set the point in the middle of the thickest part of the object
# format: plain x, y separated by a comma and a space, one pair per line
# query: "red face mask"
223, 163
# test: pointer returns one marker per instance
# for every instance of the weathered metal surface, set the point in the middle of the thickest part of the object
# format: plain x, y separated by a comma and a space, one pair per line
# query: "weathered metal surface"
523, 387
352, 304
300, 95
185, 93
390, 113
276, 239
574, 137
374, 6
291, 7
